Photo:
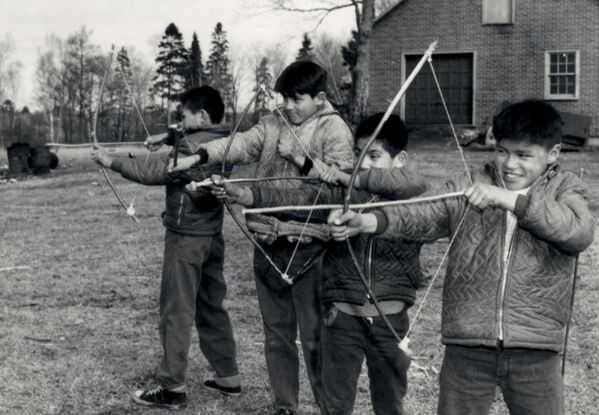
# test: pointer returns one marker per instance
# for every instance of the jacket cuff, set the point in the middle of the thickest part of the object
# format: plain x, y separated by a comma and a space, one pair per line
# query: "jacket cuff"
203, 153
256, 196
307, 167
116, 165
522, 202
381, 221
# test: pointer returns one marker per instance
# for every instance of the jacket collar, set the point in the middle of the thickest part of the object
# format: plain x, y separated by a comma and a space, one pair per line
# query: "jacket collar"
326, 109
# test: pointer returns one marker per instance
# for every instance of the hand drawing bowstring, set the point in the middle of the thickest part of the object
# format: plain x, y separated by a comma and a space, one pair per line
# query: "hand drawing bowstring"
129, 208
427, 57
283, 274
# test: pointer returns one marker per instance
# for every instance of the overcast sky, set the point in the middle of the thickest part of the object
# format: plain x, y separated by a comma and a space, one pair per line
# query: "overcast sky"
140, 23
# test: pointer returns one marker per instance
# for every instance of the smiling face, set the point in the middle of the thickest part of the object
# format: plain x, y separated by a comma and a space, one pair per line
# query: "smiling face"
520, 162
377, 156
302, 106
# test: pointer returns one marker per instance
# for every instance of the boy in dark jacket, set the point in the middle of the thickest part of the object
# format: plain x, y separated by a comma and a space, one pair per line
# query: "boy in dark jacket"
353, 328
192, 287
307, 134
508, 289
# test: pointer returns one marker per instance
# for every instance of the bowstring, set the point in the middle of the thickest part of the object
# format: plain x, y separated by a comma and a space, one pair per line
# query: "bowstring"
307, 155
139, 114
303, 230
412, 323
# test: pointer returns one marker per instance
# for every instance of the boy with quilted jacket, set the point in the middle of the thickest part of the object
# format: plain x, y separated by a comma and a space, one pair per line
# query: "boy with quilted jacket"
507, 292
307, 135
193, 288
353, 329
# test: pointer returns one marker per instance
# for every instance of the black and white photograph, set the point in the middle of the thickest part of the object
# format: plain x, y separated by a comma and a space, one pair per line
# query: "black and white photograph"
299, 207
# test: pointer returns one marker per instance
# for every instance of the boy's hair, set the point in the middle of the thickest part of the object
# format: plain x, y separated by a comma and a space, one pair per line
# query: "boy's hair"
530, 120
302, 77
393, 135
204, 98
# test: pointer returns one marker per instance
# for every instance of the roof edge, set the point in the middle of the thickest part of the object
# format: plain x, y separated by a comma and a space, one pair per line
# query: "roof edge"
389, 10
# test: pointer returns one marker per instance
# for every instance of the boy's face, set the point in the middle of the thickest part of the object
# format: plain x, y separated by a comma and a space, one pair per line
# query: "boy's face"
302, 106
194, 121
520, 163
377, 156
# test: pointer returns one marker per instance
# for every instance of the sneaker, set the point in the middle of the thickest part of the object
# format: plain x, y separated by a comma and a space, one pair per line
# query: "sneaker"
211, 384
285, 411
160, 398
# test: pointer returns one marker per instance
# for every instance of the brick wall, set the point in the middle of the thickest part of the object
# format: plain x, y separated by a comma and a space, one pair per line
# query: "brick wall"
509, 60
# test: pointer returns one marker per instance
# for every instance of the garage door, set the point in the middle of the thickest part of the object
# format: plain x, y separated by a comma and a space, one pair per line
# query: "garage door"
455, 74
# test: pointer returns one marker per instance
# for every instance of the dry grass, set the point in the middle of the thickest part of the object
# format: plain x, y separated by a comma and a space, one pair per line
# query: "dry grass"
79, 328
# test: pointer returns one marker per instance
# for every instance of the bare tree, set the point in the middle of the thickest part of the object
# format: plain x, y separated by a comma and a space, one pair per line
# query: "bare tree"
9, 68
364, 11
327, 50
278, 59
237, 77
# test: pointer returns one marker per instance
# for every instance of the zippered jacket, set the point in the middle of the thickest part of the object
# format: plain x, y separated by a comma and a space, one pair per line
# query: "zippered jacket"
391, 266
324, 135
198, 213
531, 306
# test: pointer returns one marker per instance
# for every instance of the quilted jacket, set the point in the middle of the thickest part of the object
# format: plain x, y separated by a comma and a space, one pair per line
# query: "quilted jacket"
198, 213
392, 266
531, 307
324, 135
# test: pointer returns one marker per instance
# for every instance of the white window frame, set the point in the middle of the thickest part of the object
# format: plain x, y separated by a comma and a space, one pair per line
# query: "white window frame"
562, 97
485, 17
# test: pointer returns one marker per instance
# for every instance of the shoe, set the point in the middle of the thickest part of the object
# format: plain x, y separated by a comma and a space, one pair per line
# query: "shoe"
285, 411
211, 384
160, 398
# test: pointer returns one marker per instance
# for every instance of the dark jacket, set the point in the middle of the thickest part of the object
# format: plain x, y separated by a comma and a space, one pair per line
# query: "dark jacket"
392, 266
532, 304
198, 213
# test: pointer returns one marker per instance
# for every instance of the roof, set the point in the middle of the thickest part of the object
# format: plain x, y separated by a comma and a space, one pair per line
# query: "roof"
389, 10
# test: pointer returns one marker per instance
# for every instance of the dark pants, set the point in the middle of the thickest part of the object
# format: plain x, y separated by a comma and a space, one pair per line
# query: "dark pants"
284, 309
192, 291
346, 340
530, 381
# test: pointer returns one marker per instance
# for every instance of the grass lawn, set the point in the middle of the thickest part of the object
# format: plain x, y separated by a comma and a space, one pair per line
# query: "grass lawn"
79, 320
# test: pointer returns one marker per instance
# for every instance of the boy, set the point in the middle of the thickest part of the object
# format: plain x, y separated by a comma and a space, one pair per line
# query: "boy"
353, 328
318, 138
192, 288
506, 296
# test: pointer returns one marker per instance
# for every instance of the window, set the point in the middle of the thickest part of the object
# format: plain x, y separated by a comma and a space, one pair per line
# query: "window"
561, 74
498, 12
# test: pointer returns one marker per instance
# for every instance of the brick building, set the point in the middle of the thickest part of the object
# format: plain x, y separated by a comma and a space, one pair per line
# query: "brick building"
489, 52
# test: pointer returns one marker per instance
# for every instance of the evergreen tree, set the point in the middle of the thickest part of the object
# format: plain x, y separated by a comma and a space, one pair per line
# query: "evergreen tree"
350, 51
305, 51
217, 67
195, 71
172, 62
263, 77
118, 95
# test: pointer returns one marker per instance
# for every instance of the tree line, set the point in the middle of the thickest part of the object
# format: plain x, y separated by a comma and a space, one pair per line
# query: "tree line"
70, 71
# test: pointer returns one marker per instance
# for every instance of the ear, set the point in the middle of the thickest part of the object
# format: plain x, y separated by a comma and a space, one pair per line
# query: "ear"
320, 98
554, 153
204, 116
400, 159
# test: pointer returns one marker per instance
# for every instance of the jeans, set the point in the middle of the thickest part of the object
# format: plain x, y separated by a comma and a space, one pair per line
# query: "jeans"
192, 291
530, 381
346, 340
284, 310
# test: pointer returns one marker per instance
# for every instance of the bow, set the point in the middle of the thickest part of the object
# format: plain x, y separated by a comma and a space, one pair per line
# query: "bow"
352, 181
284, 274
228, 205
93, 132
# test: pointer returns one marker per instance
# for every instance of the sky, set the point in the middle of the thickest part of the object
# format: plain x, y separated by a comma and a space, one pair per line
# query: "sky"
140, 23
